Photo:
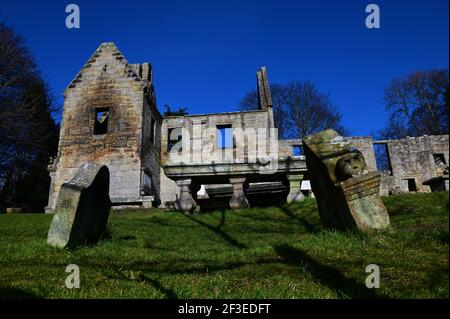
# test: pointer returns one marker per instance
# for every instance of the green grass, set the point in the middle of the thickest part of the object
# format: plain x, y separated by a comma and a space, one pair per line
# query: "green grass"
276, 252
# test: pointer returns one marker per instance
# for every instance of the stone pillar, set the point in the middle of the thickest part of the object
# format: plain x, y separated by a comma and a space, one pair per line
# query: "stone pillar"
295, 193
51, 167
238, 200
185, 201
50, 206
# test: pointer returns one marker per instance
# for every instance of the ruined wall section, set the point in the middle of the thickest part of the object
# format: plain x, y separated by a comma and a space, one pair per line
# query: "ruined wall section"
286, 147
412, 161
151, 146
412, 158
106, 81
242, 120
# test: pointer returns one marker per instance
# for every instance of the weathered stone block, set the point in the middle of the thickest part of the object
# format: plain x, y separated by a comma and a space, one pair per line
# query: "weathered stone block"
347, 194
82, 209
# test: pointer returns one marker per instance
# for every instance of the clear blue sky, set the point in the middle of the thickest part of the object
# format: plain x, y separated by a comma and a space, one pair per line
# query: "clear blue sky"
205, 53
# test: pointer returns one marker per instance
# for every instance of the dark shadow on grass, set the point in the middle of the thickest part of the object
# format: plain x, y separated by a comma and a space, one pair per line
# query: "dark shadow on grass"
183, 266
166, 224
108, 235
326, 275
218, 231
15, 293
126, 238
222, 219
308, 226
155, 283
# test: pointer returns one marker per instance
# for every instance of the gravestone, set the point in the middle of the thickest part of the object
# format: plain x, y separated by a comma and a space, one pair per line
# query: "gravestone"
82, 208
347, 194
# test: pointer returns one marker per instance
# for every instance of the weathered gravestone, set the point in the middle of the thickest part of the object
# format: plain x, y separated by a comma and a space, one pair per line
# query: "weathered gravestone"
82, 208
347, 194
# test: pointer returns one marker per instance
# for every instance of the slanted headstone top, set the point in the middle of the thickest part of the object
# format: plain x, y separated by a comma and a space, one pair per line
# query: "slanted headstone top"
82, 208
347, 193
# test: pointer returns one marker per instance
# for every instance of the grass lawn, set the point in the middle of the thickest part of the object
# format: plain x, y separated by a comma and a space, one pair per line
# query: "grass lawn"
275, 252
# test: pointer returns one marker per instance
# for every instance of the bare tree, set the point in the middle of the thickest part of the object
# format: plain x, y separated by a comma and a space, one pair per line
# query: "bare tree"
417, 105
310, 110
299, 109
250, 102
28, 134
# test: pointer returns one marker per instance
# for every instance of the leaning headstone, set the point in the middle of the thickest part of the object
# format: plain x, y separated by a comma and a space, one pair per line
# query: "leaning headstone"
347, 194
82, 208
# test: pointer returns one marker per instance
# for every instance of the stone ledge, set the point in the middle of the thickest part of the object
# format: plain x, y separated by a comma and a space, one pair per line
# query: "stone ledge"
131, 200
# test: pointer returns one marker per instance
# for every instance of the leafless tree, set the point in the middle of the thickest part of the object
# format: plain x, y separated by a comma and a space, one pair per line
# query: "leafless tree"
250, 102
299, 108
417, 104
28, 134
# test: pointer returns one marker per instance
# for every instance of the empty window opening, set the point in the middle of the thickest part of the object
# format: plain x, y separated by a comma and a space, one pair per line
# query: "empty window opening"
298, 150
174, 136
382, 159
411, 185
101, 121
224, 136
439, 159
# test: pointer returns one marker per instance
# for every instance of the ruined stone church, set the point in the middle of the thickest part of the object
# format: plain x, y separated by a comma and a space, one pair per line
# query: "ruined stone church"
110, 117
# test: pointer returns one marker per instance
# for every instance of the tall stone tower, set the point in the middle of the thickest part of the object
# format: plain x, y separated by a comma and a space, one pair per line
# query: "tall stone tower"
110, 117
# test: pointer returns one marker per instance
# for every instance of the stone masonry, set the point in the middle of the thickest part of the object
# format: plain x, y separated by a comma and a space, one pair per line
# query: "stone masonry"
110, 118
413, 161
108, 83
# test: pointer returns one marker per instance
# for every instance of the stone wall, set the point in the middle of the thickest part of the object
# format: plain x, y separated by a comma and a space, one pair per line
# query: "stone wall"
200, 140
411, 158
106, 82
169, 189
151, 145
286, 147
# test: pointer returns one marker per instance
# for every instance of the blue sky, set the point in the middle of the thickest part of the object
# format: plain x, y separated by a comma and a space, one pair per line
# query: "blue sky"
205, 53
